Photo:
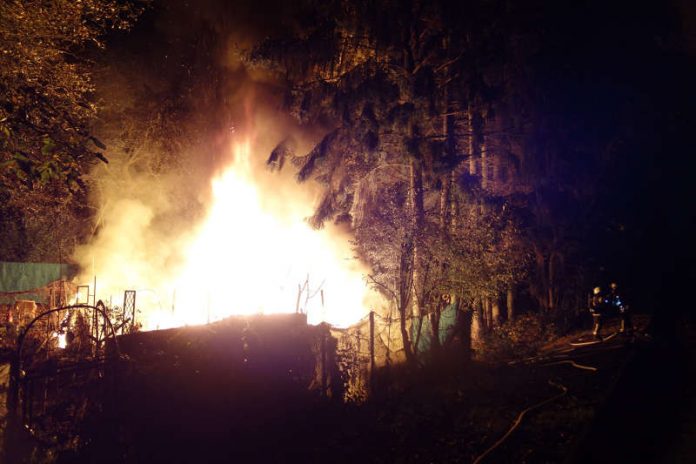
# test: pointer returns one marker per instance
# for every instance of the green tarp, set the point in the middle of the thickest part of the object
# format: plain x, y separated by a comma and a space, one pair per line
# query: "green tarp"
20, 277
448, 325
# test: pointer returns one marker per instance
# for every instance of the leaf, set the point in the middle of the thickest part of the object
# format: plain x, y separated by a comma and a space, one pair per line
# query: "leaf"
101, 157
97, 142
20, 158
46, 175
48, 146
285, 149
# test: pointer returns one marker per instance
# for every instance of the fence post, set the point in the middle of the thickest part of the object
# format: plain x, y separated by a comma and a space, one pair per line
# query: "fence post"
372, 349
323, 362
13, 388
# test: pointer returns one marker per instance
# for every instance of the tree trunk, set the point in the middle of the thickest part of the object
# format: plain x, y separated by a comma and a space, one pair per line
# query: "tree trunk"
408, 349
419, 331
435, 344
550, 279
416, 184
484, 162
445, 204
541, 290
417, 220
405, 292
510, 303
556, 260
495, 311
447, 207
477, 326
410, 266
454, 203
471, 152
464, 329
496, 178
488, 315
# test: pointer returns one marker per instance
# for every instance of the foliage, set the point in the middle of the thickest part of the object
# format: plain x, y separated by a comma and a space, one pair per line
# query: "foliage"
379, 103
470, 103
477, 256
519, 338
8, 336
391, 161
482, 254
47, 105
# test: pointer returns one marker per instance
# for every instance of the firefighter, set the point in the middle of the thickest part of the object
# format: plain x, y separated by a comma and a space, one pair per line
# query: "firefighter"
598, 307
619, 305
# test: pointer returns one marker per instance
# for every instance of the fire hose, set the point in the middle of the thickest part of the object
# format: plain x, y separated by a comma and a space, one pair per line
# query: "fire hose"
554, 361
594, 342
520, 416
572, 363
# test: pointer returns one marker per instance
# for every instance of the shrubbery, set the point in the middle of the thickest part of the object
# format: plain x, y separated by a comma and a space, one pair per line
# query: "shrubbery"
519, 338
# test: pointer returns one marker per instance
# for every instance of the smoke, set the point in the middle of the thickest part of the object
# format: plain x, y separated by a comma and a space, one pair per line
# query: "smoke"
187, 213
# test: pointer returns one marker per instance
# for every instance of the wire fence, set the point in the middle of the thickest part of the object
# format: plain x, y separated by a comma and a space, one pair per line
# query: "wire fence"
372, 342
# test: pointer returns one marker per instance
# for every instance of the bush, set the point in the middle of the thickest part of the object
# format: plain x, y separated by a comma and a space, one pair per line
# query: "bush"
519, 338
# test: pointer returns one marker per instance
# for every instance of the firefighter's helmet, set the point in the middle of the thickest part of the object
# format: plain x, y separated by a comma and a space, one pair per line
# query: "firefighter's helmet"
596, 291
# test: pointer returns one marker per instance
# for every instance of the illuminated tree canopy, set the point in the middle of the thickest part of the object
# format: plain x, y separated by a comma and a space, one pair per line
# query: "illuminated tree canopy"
47, 104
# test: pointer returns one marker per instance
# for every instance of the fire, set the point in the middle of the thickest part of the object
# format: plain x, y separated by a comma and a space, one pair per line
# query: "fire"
62, 342
255, 253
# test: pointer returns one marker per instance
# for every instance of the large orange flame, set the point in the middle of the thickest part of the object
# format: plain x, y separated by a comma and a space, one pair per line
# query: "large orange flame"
255, 253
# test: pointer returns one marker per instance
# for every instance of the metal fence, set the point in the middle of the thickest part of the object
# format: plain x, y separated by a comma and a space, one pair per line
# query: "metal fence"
64, 366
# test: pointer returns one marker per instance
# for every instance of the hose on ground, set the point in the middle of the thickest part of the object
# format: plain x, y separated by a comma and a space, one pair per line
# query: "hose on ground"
595, 342
519, 418
572, 363
564, 390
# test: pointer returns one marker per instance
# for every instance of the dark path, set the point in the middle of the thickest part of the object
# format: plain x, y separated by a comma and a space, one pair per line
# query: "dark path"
650, 414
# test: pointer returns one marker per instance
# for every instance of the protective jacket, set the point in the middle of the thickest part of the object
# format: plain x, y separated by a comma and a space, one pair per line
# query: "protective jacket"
598, 304
616, 302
